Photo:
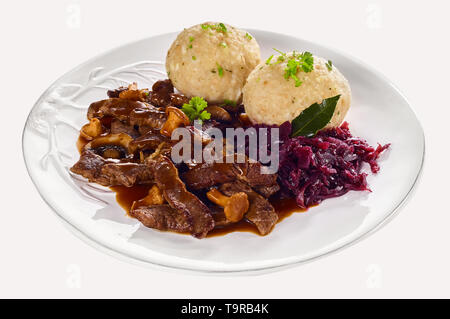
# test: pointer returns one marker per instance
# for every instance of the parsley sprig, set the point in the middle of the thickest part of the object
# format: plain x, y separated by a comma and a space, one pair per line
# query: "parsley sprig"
295, 62
195, 109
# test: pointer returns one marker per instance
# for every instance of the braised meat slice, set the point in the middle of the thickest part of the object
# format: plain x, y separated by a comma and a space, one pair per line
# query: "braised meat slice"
121, 127
109, 173
256, 174
210, 174
162, 217
128, 111
149, 141
90, 166
267, 190
175, 193
261, 212
115, 107
147, 116
219, 217
127, 174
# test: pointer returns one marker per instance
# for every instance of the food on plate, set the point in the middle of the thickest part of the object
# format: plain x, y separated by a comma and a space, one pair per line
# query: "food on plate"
284, 85
212, 60
327, 165
293, 107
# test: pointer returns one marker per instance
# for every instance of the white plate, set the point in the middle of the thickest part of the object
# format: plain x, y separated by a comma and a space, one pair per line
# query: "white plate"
379, 113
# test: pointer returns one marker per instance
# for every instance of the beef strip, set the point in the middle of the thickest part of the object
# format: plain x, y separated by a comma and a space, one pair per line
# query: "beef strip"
121, 127
109, 173
260, 212
115, 107
147, 116
267, 190
149, 141
174, 191
162, 217
127, 174
90, 166
210, 174
128, 111
219, 217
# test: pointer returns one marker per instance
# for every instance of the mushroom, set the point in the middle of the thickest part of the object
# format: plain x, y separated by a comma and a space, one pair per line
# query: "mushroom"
219, 113
92, 129
111, 145
132, 93
154, 197
234, 206
175, 118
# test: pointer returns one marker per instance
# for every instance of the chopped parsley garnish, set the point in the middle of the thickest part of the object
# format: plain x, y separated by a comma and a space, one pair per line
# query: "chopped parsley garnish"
195, 109
191, 39
329, 65
217, 27
291, 72
282, 57
194, 57
219, 69
269, 59
223, 44
221, 28
248, 36
295, 62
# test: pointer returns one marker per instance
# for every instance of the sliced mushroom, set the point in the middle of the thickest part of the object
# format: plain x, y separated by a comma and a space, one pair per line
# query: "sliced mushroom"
175, 118
132, 93
154, 197
219, 113
92, 129
111, 146
234, 206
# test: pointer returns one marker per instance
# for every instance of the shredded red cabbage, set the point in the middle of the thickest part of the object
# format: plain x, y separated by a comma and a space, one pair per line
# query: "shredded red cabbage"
324, 166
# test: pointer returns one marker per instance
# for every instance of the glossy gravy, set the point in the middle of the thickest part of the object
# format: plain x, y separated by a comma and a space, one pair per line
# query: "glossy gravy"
125, 196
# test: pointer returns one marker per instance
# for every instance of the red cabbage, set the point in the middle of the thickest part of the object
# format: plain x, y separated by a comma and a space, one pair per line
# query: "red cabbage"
327, 165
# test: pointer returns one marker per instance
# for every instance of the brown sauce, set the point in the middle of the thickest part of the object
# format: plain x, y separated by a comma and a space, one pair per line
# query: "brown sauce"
81, 143
125, 196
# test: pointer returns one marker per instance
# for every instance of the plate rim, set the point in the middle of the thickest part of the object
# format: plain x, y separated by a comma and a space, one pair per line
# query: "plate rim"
122, 255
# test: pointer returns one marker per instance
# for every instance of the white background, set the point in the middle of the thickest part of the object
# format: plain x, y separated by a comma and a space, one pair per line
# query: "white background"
406, 40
